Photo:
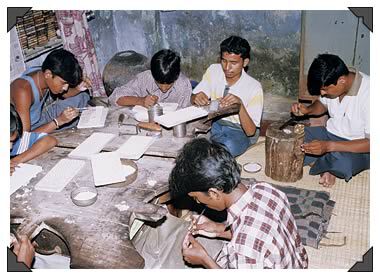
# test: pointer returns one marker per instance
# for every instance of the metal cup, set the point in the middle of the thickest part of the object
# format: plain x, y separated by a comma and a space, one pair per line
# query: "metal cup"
179, 131
214, 105
154, 111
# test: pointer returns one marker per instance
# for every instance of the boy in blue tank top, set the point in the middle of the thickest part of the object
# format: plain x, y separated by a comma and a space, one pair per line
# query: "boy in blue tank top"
59, 77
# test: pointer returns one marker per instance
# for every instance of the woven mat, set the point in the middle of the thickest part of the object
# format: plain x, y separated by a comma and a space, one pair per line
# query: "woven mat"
311, 209
348, 237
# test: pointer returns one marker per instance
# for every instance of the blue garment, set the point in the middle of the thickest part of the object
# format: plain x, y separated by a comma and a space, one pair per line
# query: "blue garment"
42, 113
54, 109
36, 107
340, 164
25, 142
232, 136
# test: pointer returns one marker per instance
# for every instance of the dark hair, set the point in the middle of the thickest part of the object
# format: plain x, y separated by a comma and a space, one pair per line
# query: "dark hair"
325, 70
202, 165
15, 122
237, 45
165, 66
63, 64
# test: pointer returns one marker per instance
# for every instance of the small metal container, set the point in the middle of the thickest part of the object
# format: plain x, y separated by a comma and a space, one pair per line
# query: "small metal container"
214, 105
252, 167
179, 131
84, 196
154, 111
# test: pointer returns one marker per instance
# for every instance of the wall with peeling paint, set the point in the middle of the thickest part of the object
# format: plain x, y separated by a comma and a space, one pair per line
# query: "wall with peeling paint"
273, 35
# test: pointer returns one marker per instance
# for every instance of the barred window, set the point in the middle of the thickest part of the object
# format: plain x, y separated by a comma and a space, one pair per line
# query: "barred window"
37, 33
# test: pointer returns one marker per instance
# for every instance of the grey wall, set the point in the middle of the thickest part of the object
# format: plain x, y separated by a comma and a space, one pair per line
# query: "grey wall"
337, 32
273, 35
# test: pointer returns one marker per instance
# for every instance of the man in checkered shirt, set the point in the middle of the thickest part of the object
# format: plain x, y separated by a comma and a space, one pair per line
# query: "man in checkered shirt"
261, 230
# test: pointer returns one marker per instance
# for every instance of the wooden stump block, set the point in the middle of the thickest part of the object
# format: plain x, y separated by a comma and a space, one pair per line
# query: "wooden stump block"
283, 155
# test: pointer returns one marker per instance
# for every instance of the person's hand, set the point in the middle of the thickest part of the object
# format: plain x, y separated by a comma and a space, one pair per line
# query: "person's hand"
205, 227
299, 109
84, 85
67, 115
200, 99
229, 100
13, 167
192, 251
150, 100
24, 250
316, 147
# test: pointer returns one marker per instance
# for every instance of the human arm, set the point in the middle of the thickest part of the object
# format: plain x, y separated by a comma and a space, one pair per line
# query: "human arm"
22, 98
41, 146
24, 250
13, 166
316, 108
194, 253
199, 99
204, 226
246, 122
319, 147
73, 91
146, 101
136, 92
66, 116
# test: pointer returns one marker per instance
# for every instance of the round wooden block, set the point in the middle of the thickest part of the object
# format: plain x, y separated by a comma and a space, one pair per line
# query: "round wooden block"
283, 155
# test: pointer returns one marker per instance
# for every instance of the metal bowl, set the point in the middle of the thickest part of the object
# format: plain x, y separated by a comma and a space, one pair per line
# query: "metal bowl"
252, 167
84, 196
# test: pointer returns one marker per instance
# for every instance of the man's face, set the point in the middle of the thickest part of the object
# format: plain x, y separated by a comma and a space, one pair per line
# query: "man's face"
233, 64
334, 91
165, 87
209, 200
56, 84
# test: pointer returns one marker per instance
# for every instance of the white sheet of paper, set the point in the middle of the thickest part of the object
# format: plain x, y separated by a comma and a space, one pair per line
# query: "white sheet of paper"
93, 117
91, 145
135, 147
107, 168
174, 118
22, 176
60, 175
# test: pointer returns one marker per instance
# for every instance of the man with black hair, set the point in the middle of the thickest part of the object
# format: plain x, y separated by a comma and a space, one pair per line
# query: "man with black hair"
342, 148
260, 227
164, 82
230, 84
61, 76
26, 145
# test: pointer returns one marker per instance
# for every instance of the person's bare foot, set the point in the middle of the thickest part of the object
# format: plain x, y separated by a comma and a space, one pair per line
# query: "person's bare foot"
327, 180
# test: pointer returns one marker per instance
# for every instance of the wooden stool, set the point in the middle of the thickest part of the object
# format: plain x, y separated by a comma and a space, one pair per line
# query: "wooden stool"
283, 155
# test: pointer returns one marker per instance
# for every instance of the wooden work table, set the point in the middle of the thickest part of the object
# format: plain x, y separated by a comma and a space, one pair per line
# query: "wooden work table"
165, 146
97, 235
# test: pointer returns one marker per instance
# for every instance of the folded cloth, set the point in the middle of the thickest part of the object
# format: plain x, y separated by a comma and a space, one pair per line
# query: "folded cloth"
311, 209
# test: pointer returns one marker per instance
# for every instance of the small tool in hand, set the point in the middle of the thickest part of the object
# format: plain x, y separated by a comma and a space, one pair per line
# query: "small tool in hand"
81, 109
197, 220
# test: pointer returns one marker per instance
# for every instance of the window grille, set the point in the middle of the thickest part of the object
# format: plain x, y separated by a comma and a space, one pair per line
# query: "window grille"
37, 32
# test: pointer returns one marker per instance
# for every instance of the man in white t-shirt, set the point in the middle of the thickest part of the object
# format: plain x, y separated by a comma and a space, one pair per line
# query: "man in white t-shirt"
342, 148
228, 83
